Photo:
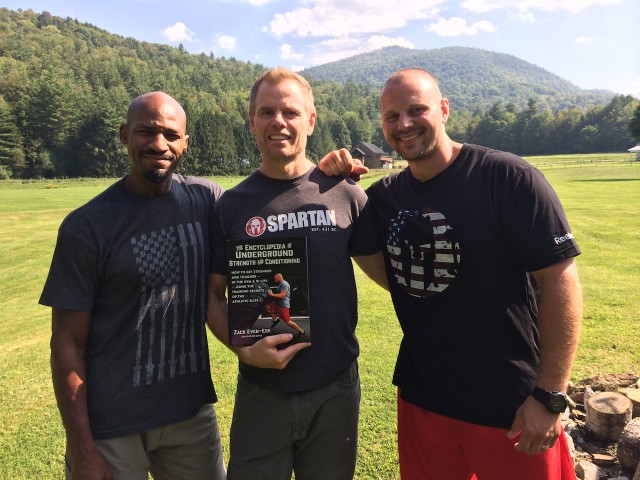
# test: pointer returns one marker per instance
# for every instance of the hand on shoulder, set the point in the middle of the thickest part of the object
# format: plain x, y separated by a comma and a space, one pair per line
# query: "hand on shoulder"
340, 162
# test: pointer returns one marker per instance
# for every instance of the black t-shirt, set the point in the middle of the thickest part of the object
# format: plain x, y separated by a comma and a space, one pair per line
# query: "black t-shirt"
332, 289
458, 249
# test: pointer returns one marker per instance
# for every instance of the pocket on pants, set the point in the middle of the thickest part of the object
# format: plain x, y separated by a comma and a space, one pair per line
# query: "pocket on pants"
349, 378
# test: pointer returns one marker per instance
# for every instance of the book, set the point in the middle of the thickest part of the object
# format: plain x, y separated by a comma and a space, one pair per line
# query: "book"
268, 289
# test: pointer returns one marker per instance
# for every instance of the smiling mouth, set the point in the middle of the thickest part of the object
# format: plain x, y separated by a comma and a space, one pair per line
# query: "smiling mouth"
278, 137
155, 158
408, 138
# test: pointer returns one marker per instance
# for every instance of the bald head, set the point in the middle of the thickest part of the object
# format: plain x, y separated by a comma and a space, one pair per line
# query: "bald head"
413, 74
156, 101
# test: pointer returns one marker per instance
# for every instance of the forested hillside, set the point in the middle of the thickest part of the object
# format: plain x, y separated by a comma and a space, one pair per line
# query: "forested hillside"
65, 87
471, 78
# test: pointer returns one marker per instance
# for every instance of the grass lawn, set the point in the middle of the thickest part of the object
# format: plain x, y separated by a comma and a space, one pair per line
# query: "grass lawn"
602, 205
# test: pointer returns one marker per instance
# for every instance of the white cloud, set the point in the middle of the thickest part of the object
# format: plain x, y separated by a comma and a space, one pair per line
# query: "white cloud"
482, 6
337, 18
456, 26
377, 42
347, 27
287, 53
225, 42
526, 17
250, 2
582, 40
179, 32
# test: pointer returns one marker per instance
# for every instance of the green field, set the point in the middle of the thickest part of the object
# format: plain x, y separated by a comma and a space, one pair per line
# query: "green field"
601, 201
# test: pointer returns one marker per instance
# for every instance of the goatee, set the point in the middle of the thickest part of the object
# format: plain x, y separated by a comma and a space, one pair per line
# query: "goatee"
156, 176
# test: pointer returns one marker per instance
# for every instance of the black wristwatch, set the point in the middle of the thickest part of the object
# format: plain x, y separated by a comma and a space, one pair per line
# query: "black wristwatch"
555, 402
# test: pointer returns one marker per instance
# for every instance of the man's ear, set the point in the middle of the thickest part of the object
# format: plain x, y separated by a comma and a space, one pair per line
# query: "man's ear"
444, 108
124, 133
312, 124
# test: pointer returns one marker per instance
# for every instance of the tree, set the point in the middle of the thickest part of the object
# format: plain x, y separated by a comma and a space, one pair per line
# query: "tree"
613, 124
634, 123
496, 129
340, 133
212, 149
360, 128
588, 139
39, 164
97, 150
12, 161
320, 143
50, 115
564, 137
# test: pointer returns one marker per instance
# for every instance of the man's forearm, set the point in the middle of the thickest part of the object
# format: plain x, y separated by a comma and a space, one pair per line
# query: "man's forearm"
559, 323
217, 309
68, 373
217, 319
373, 267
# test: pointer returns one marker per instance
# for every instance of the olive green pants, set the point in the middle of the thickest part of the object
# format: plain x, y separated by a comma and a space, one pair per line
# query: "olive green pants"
188, 450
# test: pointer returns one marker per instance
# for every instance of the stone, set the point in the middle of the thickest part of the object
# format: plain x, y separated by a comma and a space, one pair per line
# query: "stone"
610, 381
629, 445
587, 471
633, 394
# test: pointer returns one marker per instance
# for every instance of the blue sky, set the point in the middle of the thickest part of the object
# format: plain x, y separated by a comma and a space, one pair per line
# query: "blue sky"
591, 43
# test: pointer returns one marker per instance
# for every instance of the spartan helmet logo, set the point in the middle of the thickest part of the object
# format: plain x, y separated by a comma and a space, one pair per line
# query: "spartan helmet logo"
255, 226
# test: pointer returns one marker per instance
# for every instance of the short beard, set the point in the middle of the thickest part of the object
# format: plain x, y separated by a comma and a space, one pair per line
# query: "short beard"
160, 176
156, 176
428, 151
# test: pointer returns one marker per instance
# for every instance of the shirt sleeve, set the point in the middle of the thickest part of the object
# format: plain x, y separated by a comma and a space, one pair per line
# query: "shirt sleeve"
218, 252
73, 276
364, 239
535, 222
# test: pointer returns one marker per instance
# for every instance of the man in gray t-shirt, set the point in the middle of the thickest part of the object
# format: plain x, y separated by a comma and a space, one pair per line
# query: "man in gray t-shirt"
127, 287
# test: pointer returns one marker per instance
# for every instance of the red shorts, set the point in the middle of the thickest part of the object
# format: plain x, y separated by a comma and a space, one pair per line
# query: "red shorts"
433, 447
281, 312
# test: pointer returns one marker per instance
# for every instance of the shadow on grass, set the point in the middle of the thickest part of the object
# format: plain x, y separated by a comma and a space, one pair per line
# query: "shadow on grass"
607, 180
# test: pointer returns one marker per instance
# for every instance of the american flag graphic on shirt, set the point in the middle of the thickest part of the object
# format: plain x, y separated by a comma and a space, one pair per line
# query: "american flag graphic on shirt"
171, 317
424, 254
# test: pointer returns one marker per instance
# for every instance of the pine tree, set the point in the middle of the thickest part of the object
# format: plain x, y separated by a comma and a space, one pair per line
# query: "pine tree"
12, 161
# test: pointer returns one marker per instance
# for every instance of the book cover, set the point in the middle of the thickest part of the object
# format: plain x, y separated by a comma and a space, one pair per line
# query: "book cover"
268, 289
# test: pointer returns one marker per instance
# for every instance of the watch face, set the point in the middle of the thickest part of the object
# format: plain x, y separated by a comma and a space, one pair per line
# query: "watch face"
557, 403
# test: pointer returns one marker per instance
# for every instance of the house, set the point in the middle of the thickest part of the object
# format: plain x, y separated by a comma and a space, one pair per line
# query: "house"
371, 156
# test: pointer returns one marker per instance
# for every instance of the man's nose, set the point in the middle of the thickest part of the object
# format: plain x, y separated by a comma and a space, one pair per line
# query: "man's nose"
279, 119
159, 142
405, 121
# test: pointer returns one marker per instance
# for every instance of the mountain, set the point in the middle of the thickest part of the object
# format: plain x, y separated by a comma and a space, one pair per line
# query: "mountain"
469, 77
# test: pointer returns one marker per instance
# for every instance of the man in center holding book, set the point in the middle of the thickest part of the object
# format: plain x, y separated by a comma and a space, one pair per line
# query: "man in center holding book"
297, 404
